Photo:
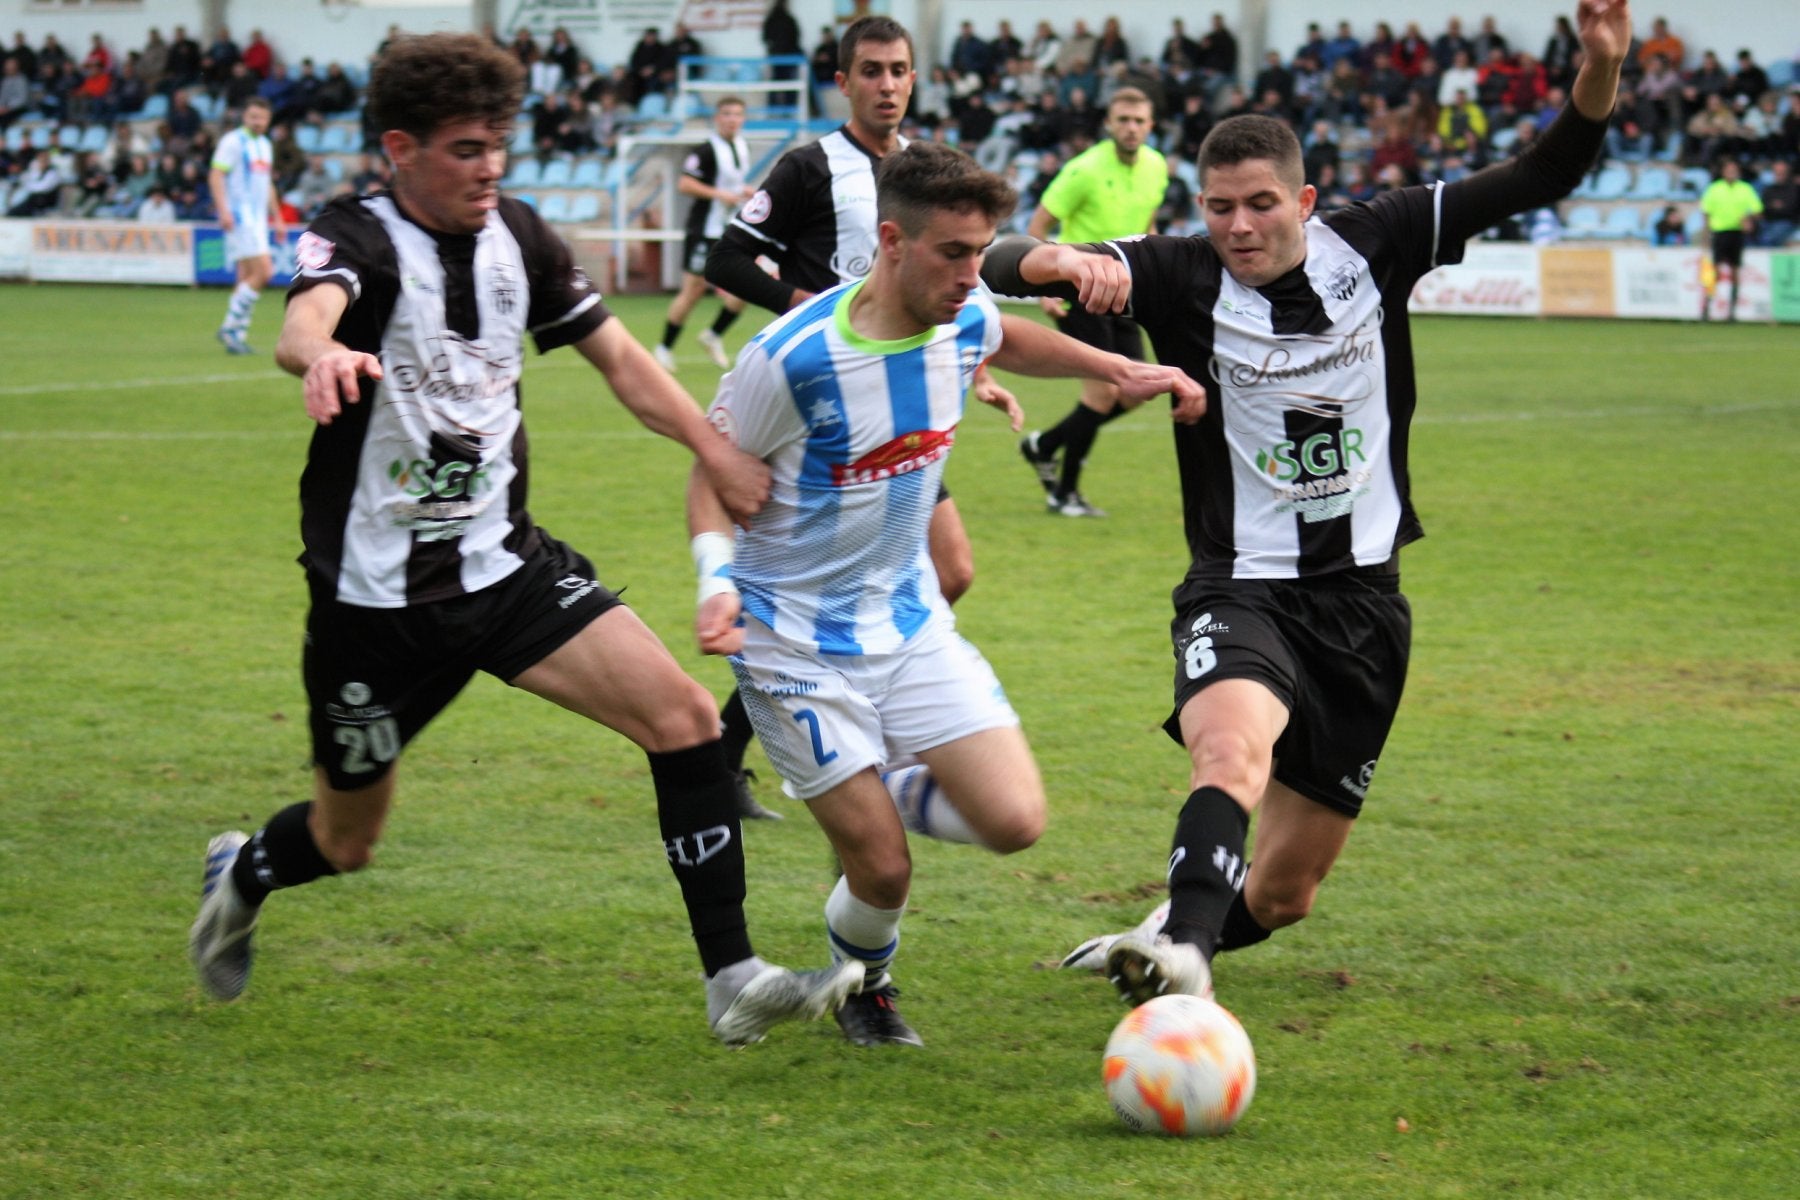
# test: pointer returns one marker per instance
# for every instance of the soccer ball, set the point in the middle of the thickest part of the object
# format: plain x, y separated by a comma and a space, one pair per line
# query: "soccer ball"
1179, 1065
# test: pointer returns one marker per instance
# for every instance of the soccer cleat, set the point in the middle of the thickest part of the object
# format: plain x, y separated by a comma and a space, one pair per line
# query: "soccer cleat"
1091, 954
219, 942
1143, 969
776, 994
747, 806
664, 356
714, 346
1072, 505
233, 341
1043, 464
870, 1018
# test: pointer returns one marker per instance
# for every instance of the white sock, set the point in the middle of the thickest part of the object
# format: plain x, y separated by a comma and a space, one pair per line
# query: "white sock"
243, 304
924, 808
859, 931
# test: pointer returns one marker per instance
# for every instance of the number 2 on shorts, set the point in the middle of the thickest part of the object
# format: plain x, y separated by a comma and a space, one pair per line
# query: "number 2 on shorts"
810, 719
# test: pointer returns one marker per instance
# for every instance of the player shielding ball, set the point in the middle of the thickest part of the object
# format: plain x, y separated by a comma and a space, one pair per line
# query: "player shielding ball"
845, 649
1291, 634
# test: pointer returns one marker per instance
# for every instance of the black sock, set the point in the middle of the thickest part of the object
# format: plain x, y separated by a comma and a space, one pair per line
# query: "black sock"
282, 854
671, 331
1051, 440
1206, 867
1082, 427
696, 805
723, 321
737, 732
1241, 929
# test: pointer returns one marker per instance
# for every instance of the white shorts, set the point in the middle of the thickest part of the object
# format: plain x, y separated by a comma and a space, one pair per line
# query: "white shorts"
248, 239
824, 717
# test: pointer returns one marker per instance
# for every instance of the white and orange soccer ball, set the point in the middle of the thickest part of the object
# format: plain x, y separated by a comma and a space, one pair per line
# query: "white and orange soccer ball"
1178, 1066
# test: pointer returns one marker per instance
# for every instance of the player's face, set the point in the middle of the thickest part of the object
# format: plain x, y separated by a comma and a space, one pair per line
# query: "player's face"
1254, 220
729, 120
1129, 127
450, 182
256, 119
878, 85
942, 265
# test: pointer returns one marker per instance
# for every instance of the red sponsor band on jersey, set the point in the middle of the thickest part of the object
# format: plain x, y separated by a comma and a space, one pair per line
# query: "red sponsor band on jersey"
905, 454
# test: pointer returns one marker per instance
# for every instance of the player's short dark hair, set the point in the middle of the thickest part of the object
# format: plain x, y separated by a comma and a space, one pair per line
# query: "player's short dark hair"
1129, 95
261, 102
871, 29
424, 82
1239, 139
912, 183
724, 100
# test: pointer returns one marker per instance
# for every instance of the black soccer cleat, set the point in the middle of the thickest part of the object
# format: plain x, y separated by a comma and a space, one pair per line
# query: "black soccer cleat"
1044, 464
748, 807
870, 1018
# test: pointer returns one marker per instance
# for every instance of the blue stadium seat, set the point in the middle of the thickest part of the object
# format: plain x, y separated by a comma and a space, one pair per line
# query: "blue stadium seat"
1692, 224
555, 207
585, 207
15, 138
155, 108
334, 168
336, 140
1624, 222
93, 138
558, 172
1694, 180
42, 137
525, 173
1583, 221
1503, 140
527, 199
589, 173
1611, 183
1652, 183
521, 139
653, 106
308, 137
69, 137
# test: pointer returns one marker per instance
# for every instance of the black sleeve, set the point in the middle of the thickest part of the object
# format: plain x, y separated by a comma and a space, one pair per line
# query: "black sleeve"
345, 247
731, 265
565, 306
1160, 270
1000, 271
702, 164
1542, 175
766, 226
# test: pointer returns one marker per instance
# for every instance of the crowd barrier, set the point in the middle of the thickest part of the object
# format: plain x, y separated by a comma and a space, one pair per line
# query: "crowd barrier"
1496, 279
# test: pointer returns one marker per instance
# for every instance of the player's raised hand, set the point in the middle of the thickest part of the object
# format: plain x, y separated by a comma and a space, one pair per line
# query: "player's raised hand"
1102, 282
988, 390
740, 481
335, 379
1604, 27
716, 625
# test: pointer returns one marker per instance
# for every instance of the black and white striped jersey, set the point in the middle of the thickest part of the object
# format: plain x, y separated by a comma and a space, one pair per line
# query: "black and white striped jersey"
1299, 467
418, 492
718, 162
814, 216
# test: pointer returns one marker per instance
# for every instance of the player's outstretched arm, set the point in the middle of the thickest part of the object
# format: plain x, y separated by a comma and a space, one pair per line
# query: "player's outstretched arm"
653, 397
1029, 348
330, 372
1099, 282
1604, 28
987, 389
716, 627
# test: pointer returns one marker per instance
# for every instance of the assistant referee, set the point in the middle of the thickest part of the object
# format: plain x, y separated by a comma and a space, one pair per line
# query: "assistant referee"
1731, 207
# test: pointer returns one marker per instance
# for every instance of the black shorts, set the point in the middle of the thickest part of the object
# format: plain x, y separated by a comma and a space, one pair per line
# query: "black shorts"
1104, 331
694, 249
375, 677
1728, 247
1333, 650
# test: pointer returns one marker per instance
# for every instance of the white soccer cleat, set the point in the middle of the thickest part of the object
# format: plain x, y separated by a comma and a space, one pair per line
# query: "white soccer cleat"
1091, 954
714, 345
219, 942
1072, 505
1144, 969
665, 357
777, 994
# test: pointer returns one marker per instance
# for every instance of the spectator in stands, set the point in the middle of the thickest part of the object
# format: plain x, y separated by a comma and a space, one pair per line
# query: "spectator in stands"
1493, 81
1111, 47
128, 90
1045, 47
184, 122
681, 44
1382, 42
824, 59
15, 93
1343, 47
970, 54
1310, 86
543, 78
1662, 42
1397, 151
1749, 80
1319, 149
125, 144
1714, 132
184, 59
98, 55
1332, 195
259, 56
646, 65
976, 121
157, 208
1780, 204
1489, 39
1343, 93
781, 37
1411, 52
522, 44
1444, 46
153, 61
1218, 53
94, 184
336, 94
1176, 214
52, 54
563, 51
1530, 84
1707, 79
288, 159
220, 57
1274, 77
276, 87
1385, 80
1626, 139
1559, 53
373, 176
1463, 127
240, 85
1078, 47
22, 53
1659, 98
1006, 45
314, 186
303, 95
39, 188
1080, 76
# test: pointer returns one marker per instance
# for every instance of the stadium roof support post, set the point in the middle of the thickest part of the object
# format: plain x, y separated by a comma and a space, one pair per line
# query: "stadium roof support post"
487, 12
212, 17
1252, 35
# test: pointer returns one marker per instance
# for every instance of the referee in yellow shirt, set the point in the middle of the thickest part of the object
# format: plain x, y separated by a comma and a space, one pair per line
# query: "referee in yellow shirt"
1109, 191
1731, 206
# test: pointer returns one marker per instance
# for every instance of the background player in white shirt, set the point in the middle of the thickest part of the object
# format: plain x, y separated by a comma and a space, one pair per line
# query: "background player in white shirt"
715, 176
846, 654
243, 191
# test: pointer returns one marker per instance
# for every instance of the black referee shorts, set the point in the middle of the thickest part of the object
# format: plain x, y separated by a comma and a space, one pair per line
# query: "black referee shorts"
1104, 331
375, 677
1333, 650
1728, 247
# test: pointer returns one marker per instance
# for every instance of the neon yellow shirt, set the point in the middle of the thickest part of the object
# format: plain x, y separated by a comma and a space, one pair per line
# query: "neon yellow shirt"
1096, 197
1726, 203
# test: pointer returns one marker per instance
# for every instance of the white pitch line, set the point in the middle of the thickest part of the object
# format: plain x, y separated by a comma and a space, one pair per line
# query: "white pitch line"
130, 385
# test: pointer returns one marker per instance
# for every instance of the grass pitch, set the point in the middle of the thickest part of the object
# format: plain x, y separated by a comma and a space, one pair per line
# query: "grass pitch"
1557, 958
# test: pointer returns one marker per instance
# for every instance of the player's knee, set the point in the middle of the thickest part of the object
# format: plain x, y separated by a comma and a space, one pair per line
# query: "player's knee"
1016, 831
345, 850
686, 718
1229, 759
881, 877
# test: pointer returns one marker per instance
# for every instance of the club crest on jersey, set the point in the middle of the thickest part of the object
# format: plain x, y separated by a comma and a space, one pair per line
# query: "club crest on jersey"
312, 252
1341, 283
504, 288
757, 209
905, 454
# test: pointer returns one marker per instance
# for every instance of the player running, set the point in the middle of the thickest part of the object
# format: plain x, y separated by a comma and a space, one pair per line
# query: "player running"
243, 192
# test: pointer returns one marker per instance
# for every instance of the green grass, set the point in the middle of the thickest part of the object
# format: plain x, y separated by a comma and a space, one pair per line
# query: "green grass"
1560, 948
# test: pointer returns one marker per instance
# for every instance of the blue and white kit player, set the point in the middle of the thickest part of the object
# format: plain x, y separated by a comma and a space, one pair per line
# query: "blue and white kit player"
243, 191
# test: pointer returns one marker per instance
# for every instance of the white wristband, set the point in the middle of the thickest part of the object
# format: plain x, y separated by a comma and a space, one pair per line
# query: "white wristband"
712, 560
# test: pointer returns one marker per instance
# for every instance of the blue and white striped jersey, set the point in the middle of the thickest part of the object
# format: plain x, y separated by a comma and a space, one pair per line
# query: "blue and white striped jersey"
855, 433
245, 159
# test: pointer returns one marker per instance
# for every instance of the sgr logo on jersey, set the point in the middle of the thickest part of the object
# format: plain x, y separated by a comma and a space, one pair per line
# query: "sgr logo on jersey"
1320, 456
451, 481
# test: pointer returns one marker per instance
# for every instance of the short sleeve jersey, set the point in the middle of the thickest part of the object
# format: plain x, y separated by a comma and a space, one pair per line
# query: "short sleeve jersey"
1299, 466
855, 433
1727, 203
418, 492
720, 163
815, 214
1095, 196
245, 159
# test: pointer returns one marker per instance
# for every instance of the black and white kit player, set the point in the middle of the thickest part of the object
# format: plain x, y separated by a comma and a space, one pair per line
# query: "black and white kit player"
715, 175
1291, 636
722, 163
